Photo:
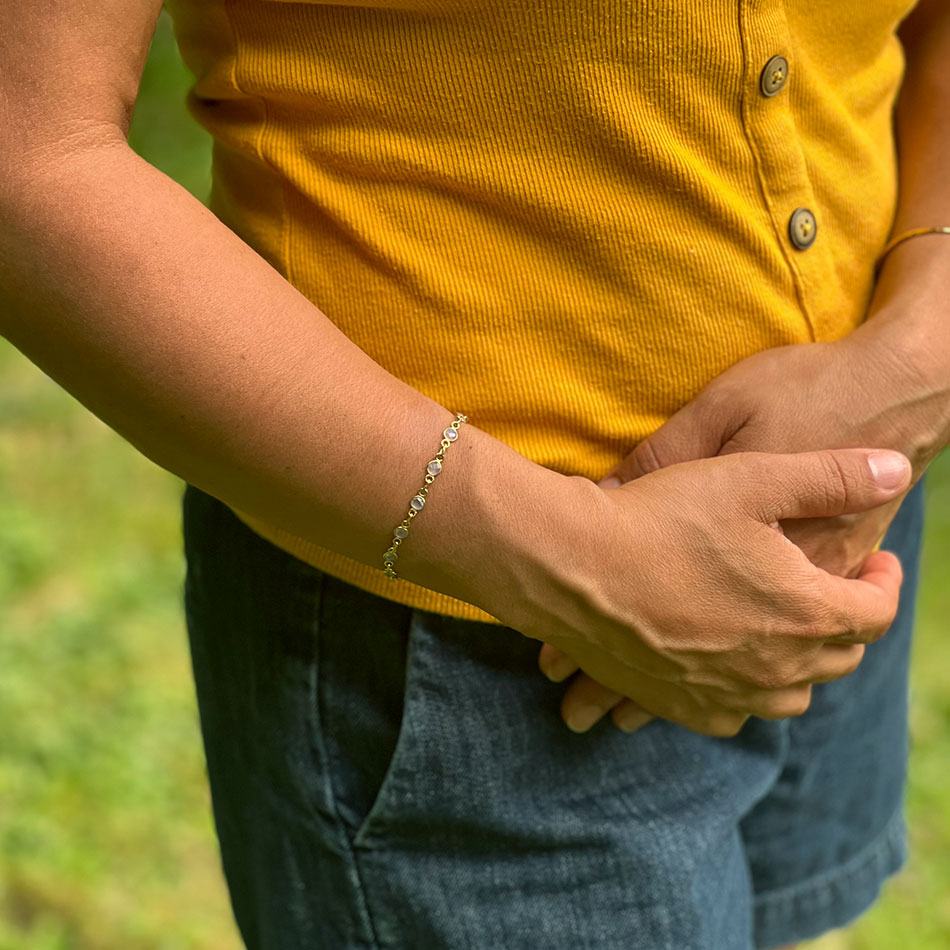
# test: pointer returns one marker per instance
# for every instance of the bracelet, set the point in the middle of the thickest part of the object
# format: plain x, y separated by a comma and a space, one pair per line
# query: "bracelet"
903, 237
449, 435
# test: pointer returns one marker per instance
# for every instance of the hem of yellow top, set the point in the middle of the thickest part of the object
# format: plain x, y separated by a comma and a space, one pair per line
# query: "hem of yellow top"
364, 576
372, 579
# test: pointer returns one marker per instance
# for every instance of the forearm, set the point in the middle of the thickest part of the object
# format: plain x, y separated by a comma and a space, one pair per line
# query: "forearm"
911, 305
138, 301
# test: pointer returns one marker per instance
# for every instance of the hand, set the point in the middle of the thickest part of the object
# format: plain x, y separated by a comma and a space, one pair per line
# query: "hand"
680, 589
855, 391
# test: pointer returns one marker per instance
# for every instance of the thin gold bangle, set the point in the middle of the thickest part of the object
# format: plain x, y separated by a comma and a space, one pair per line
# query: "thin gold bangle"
914, 232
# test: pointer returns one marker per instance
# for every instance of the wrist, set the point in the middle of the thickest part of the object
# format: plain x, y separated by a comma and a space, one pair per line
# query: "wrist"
907, 333
896, 360
497, 511
910, 307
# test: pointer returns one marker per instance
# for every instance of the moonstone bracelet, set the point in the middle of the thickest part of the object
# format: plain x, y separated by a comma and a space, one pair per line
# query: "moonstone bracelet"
416, 504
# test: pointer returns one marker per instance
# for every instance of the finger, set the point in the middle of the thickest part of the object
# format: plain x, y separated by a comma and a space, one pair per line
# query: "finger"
628, 716
864, 606
720, 725
586, 702
697, 430
684, 707
829, 662
554, 664
819, 484
835, 660
784, 703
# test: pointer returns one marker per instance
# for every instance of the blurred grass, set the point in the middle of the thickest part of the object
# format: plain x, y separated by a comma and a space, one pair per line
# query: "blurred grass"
106, 836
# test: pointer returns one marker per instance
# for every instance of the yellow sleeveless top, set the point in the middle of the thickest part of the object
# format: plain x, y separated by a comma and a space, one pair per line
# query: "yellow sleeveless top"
560, 218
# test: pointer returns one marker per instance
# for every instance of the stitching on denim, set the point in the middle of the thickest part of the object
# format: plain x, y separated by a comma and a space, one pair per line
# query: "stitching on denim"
346, 848
887, 840
393, 781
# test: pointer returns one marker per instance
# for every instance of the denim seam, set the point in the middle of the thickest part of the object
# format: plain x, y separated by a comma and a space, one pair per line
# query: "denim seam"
886, 842
393, 783
355, 878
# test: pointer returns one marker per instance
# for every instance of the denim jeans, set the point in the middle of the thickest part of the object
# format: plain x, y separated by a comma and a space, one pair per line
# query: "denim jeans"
387, 778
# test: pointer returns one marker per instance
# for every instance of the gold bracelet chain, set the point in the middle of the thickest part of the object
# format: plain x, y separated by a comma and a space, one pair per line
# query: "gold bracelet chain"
416, 504
914, 232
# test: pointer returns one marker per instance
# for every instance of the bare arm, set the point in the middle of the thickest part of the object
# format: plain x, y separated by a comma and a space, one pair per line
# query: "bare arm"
135, 298
910, 307
909, 320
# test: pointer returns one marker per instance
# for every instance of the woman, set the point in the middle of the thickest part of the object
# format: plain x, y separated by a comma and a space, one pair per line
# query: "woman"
547, 243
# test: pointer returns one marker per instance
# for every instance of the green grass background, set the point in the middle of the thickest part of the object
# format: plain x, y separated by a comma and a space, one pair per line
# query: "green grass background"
106, 837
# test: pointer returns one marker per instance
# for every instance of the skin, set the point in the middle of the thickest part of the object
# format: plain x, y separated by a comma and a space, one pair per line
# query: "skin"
700, 545
230, 407
886, 384
908, 319
68, 123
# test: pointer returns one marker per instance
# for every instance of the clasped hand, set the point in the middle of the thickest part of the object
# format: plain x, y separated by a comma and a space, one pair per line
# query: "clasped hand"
852, 392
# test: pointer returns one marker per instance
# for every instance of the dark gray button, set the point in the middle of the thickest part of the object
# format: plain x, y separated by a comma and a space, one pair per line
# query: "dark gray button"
802, 228
774, 75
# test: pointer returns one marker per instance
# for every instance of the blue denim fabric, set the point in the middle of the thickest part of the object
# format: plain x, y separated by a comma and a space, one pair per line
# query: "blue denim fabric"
387, 778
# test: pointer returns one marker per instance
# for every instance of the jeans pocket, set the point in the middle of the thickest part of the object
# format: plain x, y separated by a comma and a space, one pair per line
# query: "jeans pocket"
367, 707
309, 687
251, 611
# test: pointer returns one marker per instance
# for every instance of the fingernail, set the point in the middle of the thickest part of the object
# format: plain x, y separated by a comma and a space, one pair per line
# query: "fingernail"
887, 468
631, 721
582, 719
611, 482
560, 669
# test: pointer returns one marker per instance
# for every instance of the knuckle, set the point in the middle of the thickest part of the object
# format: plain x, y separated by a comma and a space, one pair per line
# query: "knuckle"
723, 400
721, 724
835, 483
837, 661
681, 712
853, 635
861, 629
876, 632
791, 703
816, 617
853, 660
864, 620
726, 725
647, 457
771, 677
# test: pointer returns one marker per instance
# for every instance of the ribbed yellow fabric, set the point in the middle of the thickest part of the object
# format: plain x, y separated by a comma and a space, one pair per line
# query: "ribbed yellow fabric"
560, 218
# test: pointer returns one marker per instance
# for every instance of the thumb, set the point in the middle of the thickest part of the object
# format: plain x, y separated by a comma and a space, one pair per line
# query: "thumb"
821, 484
696, 431
874, 598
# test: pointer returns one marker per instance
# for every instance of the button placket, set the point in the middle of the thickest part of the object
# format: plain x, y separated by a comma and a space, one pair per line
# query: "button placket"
781, 167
